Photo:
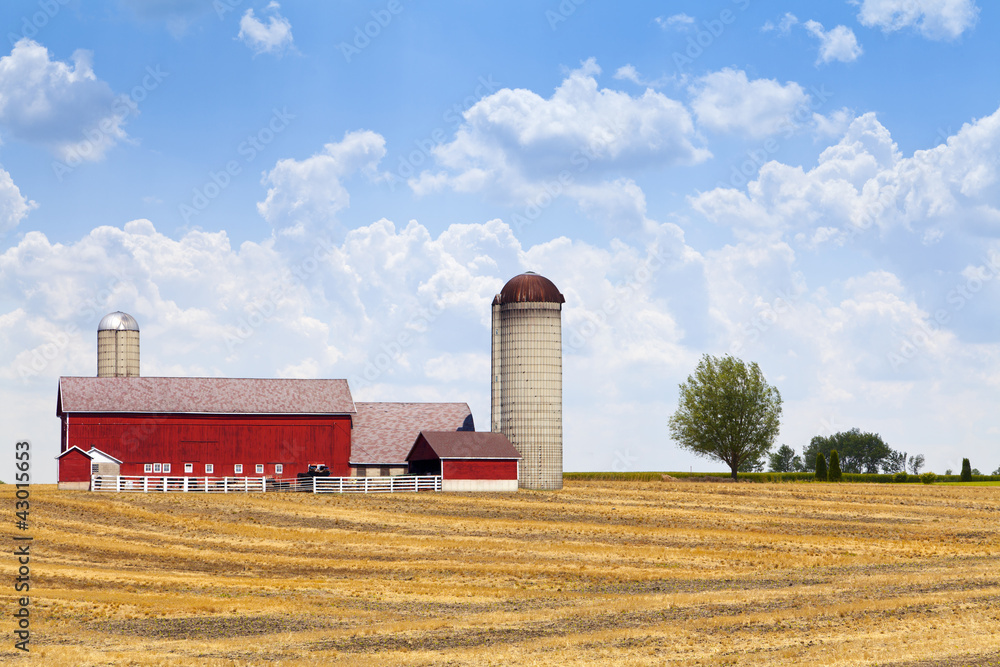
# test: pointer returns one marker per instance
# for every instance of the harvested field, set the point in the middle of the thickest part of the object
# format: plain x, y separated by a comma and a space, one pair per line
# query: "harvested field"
625, 573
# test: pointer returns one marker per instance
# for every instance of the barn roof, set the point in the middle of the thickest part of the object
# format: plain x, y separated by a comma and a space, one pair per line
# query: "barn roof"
384, 432
203, 395
468, 445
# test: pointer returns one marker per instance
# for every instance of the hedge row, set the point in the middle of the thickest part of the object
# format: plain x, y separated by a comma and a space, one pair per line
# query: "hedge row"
616, 476
766, 477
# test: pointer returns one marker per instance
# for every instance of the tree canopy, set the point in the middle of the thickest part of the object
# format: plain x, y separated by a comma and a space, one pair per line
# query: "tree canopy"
784, 460
858, 452
727, 411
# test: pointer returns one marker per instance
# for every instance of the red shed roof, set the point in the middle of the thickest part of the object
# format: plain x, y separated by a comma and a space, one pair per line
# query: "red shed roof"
384, 432
467, 445
203, 395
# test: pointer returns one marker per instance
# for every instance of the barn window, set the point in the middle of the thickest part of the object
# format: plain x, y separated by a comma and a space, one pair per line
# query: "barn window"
94, 468
209, 468
238, 469
260, 468
278, 468
157, 467
188, 467
148, 467
166, 467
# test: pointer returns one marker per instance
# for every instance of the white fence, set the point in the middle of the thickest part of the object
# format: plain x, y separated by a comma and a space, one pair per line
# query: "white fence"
135, 484
398, 484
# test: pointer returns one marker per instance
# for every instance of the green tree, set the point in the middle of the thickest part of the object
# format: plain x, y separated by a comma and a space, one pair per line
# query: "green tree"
782, 460
821, 467
835, 475
859, 452
916, 463
727, 411
966, 471
894, 462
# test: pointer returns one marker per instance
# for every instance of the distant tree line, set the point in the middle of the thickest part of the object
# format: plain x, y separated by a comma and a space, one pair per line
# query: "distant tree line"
857, 453
729, 412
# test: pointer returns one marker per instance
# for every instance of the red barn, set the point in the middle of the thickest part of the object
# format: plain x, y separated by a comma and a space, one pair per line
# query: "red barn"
206, 426
466, 460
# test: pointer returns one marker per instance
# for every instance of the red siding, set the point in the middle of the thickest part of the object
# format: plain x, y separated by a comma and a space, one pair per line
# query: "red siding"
479, 469
421, 451
222, 440
74, 467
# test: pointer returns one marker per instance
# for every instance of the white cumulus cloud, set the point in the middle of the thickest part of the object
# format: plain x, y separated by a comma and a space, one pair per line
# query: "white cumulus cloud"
60, 105
628, 73
934, 19
863, 185
13, 205
274, 36
513, 141
306, 194
839, 44
680, 21
727, 101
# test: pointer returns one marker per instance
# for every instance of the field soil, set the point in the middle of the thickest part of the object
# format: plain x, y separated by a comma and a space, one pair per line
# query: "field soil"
614, 573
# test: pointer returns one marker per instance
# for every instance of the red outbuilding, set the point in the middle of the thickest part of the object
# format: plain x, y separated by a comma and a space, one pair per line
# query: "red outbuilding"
384, 433
466, 460
215, 427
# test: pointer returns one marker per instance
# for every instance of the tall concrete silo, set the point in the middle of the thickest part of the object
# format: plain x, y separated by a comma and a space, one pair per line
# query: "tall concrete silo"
118, 346
527, 376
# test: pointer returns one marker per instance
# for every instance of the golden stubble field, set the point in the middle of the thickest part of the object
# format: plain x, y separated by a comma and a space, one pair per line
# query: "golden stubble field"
623, 573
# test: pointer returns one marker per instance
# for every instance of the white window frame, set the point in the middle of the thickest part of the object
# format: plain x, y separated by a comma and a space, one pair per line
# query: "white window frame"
166, 467
260, 469
238, 469
147, 467
157, 467
278, 468
209, 468
188, 467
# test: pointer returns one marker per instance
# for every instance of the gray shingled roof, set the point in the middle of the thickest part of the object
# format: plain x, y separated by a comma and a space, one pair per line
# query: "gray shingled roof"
467, 445
204, 395
385, 432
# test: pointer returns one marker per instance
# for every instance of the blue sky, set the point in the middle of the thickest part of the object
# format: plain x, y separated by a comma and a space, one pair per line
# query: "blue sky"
339, 189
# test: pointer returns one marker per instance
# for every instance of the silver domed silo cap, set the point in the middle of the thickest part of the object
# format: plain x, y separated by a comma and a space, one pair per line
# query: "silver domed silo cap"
118, 321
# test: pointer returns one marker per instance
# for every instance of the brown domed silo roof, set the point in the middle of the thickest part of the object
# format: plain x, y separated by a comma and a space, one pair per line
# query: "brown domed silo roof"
529, 287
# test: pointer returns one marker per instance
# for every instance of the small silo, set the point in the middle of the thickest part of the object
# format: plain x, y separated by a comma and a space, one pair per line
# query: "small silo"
118, 346
527, 376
